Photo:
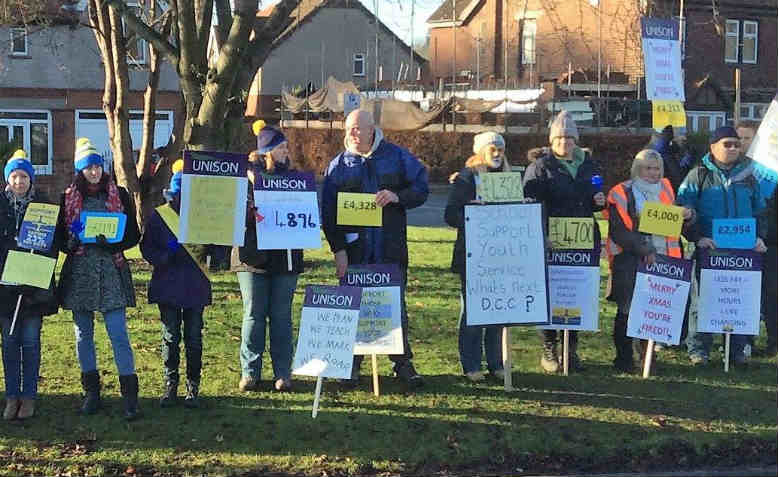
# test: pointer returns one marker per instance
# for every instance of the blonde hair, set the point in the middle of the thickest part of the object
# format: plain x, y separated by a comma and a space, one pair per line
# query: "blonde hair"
644, 156
480, 161
255, 157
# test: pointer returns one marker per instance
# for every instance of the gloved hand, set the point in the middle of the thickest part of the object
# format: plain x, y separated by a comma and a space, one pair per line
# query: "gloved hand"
174, 250
102, 242
73, 243
667, 134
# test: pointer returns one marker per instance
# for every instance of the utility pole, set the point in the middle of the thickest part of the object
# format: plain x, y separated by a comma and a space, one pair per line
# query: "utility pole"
454, 57
375, 19
410, 60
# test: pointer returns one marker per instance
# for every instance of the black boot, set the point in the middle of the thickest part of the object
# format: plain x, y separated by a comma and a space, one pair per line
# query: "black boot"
129, 389
624, 361
575, 361
91, 384
192, 394
170, 396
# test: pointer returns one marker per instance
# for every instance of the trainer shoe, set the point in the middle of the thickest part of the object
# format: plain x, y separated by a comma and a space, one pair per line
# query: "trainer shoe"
549, 360
698, 359
247, 383
475, 376
405, 371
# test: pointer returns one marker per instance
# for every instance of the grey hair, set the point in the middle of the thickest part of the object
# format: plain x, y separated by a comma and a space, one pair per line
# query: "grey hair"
644, 156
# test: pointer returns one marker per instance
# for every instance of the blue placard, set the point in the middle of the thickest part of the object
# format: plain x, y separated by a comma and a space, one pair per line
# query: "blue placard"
734, 233
35, 236
110, 224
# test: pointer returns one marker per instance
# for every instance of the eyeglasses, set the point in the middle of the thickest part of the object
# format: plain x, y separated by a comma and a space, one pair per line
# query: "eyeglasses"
731, 145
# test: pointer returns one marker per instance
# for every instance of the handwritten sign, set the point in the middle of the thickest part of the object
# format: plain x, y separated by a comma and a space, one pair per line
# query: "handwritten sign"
37, 229
505, 265
359, 209
661, 219
764, 148
380, 328
662, 59
213, 198
287, 214
23, 268
730, 291
328, 327
571, 232
734, 233
574, 290
500, 187
109, 224
659, 300
666, 113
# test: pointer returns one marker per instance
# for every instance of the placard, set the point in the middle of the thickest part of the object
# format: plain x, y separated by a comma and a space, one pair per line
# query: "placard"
574, 290
359, 209
764, 147
659, 299
662, 59
37, 229
109, 224
667, 113
213, 198
730, 291
505, 265
380, 314
571, 233
328, 327
287, 215
500, 187
661, 219
24, 268
734, 233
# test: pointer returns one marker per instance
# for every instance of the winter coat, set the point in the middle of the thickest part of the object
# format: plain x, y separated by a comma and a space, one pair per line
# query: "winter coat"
389, 167
36, 302
248, 258
716, 193
549, 182
176, 279
671, 161
463, 190
92, 281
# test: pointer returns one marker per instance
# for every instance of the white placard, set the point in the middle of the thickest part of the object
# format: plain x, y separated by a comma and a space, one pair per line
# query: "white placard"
574, 290
730, 292
505, 265
288, 225
764, 147
662, 59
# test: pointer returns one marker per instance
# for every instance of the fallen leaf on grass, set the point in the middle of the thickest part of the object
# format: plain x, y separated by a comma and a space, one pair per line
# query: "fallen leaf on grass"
219, 438
659, 421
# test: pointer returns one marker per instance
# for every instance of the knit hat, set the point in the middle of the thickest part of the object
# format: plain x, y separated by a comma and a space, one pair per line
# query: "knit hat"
86, 155
486, 138
175, 180
268, 137
722, 133
19, 161
563, 126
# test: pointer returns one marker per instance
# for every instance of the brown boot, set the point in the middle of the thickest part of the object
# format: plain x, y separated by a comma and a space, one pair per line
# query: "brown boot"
27, 409
11, 408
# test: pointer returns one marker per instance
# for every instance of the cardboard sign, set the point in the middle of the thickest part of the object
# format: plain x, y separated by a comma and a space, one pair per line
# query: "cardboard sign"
500, 187
661, 219
109, 224
213, 198
662, 59
22, 268
568, 233
668, 113
734, 233
37, 229
359, 209
505, 265
730, 291
659, 300
574, 290
380, 314
328, 327
287, 215
764, 147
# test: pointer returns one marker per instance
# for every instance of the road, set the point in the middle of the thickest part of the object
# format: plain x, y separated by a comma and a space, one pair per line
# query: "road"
431, 213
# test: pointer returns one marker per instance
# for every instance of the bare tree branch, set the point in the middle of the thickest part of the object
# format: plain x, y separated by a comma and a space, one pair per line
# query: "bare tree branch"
224, 17
144, 31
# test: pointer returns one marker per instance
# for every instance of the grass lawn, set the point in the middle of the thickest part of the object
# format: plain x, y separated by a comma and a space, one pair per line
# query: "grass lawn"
599, 420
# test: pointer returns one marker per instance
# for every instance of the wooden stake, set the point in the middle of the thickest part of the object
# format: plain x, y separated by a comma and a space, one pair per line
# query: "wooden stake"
316, 396
566, 353
16, 313
506, 358
374, 359
649, 358
289, 259
727, 336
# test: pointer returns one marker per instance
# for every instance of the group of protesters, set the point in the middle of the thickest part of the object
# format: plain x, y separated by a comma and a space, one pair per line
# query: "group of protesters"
96, 276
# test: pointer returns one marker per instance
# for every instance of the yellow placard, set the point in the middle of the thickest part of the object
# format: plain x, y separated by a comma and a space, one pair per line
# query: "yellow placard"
44, 214
359, 209
661, 219
566, 315
668, 113
500, 187
571, 232
96, 225
24, 268
212, 210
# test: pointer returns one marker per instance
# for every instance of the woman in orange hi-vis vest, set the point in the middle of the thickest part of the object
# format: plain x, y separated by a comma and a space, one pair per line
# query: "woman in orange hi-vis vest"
626, 246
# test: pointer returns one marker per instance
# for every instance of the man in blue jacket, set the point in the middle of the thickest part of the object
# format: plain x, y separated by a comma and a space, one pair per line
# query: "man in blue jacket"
373, 165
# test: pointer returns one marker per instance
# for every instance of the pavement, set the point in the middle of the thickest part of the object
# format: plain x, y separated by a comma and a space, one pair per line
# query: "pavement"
431, 213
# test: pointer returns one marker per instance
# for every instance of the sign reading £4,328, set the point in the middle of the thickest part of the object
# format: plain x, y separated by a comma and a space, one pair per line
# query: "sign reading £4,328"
359, 209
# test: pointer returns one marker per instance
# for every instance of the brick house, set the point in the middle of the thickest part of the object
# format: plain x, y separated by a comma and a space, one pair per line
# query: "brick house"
51, 87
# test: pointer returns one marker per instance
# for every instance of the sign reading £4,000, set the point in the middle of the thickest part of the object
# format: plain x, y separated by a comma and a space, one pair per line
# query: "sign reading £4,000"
661, 219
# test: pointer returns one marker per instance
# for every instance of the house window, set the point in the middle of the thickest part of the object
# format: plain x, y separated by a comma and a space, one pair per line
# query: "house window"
731, 41
19, 42
359, 64
29, 130
136, 46
741, 42
704, 120
750, 36
528, 34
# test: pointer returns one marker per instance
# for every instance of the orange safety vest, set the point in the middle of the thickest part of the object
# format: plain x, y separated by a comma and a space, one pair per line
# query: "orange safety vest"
618, 196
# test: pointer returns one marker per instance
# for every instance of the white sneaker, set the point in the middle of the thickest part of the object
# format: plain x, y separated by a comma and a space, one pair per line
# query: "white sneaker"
475, 376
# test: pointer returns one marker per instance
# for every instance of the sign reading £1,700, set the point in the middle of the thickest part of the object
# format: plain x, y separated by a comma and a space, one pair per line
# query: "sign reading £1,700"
571, 233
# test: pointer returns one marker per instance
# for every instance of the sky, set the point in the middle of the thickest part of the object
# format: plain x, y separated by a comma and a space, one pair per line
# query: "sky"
396, 14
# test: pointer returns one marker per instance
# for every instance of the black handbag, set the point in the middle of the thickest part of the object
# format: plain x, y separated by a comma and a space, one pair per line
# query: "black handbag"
248, 253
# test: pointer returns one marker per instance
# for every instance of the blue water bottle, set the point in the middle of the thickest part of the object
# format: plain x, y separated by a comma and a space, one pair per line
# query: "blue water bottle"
597, 182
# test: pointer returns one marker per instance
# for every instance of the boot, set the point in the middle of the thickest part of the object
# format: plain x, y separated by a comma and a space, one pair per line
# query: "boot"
170, 396
624, 361
549, 360
27, 408
91, 384
192, 394
11, 408
575, 361
129, 389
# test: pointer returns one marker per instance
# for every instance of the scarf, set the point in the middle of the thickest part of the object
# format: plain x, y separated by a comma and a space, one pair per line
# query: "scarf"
646, 192
573, 164
19, 204
74, 203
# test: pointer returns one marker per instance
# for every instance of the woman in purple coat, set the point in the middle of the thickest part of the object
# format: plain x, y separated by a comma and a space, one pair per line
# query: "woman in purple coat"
180, 289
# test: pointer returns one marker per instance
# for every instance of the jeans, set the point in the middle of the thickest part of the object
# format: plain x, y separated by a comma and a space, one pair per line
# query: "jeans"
266, 297
116, 327
192, 320
474, 339
21, 357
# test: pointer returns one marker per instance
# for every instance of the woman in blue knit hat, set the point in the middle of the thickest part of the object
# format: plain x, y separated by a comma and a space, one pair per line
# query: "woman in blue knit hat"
22, 348
267, 282
181, 290
96, 276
